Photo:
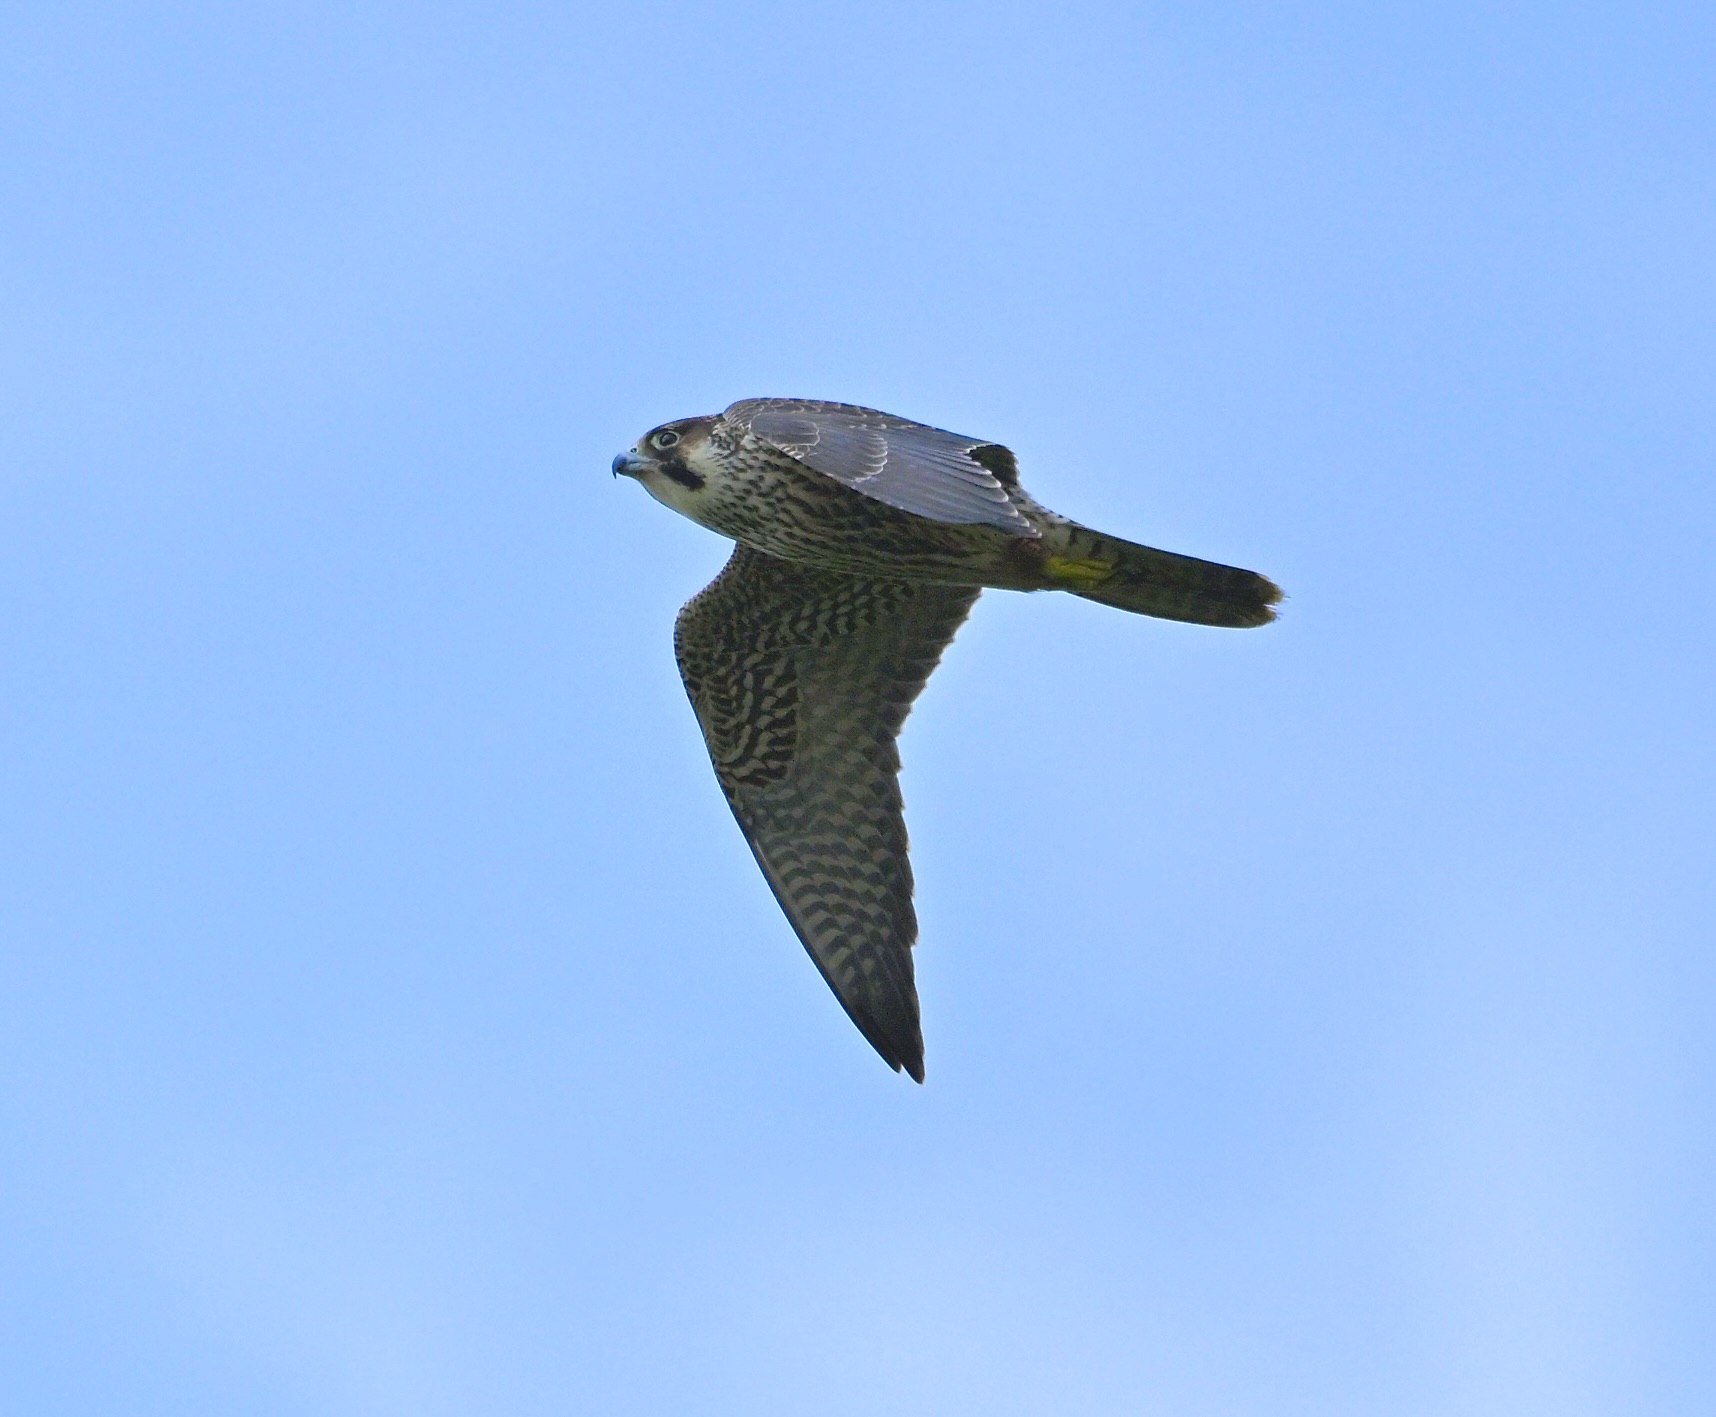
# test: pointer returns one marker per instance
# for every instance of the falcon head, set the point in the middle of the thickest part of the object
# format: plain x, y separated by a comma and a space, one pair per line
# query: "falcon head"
674, 462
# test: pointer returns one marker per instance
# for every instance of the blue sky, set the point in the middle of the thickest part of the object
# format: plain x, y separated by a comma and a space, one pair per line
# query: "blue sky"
392, 1020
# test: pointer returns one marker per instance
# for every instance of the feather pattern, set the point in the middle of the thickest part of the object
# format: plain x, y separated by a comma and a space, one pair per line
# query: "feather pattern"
801, 679
912, 466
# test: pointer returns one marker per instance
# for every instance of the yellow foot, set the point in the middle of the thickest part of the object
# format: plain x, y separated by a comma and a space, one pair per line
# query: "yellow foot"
1077, 572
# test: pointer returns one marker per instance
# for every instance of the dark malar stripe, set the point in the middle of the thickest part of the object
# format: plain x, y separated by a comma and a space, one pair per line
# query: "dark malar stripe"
680, 473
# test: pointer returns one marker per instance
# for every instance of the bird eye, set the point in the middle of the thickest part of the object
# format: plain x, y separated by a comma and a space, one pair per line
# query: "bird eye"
665, 439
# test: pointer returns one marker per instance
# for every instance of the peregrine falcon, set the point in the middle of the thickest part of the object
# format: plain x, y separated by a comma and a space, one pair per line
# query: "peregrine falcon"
862, 541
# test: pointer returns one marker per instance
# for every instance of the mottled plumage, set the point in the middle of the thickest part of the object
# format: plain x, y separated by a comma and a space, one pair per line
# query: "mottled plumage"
863, 541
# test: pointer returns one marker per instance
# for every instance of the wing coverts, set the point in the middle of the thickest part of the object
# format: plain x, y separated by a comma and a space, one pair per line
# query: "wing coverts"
907, 465
801, 680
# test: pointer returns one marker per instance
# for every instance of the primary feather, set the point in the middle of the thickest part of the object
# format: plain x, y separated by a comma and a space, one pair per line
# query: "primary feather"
801, 680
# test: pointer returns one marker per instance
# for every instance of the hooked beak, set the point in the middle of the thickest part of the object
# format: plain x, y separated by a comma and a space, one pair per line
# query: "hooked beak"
629, 465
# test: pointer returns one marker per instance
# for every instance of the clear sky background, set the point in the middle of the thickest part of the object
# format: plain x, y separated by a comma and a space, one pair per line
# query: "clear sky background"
1319, 1018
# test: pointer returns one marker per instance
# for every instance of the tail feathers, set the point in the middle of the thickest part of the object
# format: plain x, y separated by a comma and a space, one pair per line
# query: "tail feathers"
1161, 583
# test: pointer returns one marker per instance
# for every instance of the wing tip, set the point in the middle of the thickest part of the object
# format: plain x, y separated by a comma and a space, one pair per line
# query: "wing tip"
912, 1067
900, 1051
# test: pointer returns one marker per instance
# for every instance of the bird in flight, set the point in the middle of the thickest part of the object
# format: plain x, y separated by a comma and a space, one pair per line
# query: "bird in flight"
862, 542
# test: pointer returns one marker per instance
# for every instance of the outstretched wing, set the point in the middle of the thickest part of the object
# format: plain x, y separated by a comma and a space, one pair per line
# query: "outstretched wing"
944, 476
801, 679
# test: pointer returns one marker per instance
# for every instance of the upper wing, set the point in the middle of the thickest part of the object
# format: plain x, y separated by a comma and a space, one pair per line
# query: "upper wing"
944, 476
801, 679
